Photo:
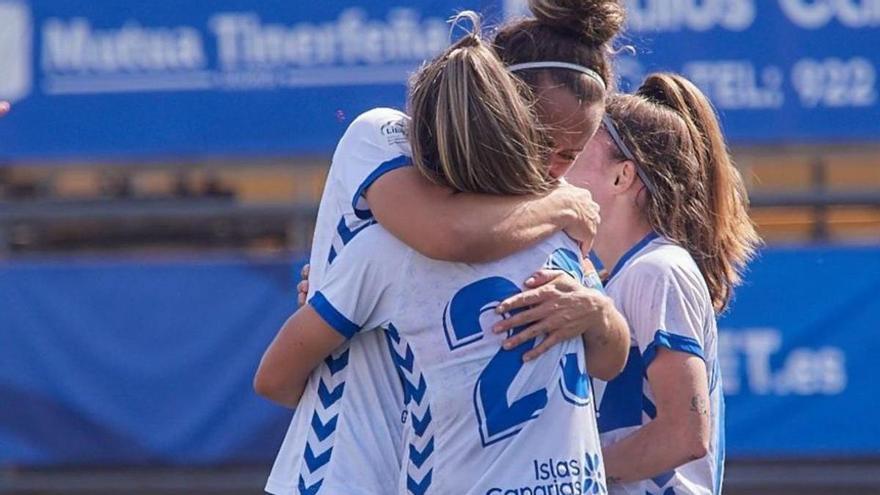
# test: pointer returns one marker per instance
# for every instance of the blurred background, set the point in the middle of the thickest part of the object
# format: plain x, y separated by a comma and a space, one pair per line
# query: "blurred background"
159, 177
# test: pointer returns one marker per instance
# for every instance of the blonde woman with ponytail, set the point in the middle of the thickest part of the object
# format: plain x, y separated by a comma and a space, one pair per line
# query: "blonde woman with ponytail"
562, 53
676, 237
476, 419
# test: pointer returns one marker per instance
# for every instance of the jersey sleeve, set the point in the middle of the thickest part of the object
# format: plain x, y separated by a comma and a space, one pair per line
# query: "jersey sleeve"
374, 144
355, 293
665, 308
568, 260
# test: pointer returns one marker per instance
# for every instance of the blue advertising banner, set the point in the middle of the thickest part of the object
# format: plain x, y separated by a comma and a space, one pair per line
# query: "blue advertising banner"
798, 352
111, 79
778, 71
151, 362
123, 363
108, 79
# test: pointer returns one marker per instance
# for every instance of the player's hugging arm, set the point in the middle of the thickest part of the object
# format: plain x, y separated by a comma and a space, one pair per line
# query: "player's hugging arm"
560, 308
354, 296
667, 318
303, 342
476, 228
680, 432
372, 164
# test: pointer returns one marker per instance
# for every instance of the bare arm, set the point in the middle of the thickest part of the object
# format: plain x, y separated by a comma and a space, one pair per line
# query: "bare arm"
300, 346
449, 226
607, 345
680, 432
561, 307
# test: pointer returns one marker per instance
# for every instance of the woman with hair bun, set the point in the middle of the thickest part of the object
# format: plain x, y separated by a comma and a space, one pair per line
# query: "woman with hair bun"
475, 418
563, 55
677, 236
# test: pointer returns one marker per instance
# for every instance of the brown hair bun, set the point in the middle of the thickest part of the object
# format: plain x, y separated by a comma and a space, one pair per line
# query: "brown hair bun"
596, 22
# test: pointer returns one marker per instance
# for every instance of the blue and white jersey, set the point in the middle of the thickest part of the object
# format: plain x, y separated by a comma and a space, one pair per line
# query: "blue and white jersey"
478, 420
660, 291
332, 446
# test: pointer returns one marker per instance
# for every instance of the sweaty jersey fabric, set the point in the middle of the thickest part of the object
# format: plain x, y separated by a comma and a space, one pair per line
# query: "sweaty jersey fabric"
660, 291
478, 420
332, 446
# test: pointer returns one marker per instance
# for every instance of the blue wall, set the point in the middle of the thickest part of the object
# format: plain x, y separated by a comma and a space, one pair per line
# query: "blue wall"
151, 362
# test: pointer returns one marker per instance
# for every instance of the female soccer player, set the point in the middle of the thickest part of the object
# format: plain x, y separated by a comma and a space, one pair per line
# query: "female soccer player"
369, 181
677, 233
482, 421
563, 56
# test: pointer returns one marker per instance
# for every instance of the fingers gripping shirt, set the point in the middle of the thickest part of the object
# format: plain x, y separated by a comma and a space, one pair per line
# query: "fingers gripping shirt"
664, 298
325, 450
478, 420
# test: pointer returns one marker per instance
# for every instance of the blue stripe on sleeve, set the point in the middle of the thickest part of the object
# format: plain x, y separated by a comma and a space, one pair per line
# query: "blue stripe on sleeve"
567, 261
384, 168
597, 263
332, 316
672, 342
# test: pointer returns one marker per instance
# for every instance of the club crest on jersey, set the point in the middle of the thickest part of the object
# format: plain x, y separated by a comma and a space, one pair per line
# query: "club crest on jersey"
395, 132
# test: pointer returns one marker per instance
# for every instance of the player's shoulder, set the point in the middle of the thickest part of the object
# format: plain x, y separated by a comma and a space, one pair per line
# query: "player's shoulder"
378, 117
558, 241
556, 252
562, 251
383, 126
376, 242
558, 245
663, 260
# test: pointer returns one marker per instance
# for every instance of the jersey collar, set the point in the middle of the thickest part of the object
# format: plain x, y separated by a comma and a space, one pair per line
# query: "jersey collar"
629, 254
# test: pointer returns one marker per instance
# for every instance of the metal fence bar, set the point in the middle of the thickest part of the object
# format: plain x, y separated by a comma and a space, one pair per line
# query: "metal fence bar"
145, 210
819, 178
821, 197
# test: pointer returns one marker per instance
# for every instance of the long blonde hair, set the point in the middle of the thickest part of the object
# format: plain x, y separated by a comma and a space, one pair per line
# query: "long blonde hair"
473, 127
697, 197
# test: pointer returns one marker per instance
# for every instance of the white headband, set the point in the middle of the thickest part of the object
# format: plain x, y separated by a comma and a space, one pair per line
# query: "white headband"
560, 65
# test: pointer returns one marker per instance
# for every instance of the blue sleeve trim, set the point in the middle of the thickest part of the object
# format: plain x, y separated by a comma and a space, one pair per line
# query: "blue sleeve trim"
672, 342
597, 263
332, 316
394, 164
567, 261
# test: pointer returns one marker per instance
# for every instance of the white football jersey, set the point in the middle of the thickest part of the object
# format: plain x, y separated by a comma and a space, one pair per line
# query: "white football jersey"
478, 420
660, 291
331, 446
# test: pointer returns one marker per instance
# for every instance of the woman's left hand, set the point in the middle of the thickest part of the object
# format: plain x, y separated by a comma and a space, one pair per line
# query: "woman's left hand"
557, 306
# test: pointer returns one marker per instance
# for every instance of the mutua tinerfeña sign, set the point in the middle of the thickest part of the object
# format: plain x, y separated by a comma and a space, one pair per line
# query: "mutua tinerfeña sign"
236, 50
168, 65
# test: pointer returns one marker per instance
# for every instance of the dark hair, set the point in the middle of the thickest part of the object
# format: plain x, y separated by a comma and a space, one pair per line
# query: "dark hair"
698, 199
573, 31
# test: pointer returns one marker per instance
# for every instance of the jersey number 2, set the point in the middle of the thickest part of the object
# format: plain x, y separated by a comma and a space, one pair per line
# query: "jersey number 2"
498, 417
